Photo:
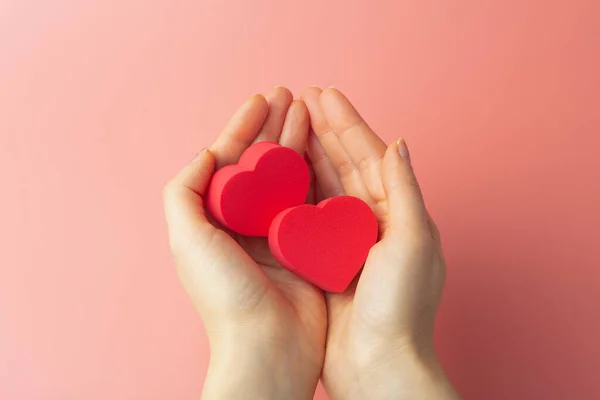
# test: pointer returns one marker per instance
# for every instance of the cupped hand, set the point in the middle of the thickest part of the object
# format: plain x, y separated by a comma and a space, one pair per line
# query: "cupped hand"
266, 327
379, 340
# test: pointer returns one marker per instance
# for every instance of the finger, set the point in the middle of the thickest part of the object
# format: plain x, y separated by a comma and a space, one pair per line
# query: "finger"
294, 133
240, 131
183, 203
328, 182
311, 197
406, 242
330, 143
279, 99
347, 171
406, 209
319, 196
362, 145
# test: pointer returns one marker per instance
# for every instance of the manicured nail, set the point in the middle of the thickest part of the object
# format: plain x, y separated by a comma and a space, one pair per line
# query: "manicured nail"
403, 149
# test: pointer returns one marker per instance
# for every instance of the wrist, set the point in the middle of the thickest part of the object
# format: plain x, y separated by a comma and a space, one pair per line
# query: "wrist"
404, 373
241, 375
243, 369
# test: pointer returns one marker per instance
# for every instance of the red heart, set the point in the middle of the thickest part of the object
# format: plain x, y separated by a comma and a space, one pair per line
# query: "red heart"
325, 244
247, 196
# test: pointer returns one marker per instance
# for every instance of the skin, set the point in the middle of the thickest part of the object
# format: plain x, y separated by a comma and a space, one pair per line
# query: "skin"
273, 335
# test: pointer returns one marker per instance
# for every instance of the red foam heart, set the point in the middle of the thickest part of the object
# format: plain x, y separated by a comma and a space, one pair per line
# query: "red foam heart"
247, 196
325, 244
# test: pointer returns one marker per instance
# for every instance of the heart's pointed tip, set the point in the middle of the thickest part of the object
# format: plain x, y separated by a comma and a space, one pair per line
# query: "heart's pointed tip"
336, 290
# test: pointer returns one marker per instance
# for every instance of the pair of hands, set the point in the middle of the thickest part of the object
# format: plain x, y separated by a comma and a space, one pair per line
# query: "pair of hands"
273, 335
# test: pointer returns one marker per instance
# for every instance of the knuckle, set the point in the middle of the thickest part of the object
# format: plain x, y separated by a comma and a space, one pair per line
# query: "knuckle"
175, 244
368, 162
358, 125
419, 240
435, 232
347, 168
415, 185
319, 157
325, 133
167, 191
178, 245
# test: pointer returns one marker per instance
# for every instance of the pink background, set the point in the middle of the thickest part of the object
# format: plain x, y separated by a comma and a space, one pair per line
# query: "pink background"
102, 101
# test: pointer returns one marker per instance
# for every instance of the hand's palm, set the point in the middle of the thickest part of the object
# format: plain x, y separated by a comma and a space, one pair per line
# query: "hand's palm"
293, 293
256, 285
287, 123
392, 297
235, 278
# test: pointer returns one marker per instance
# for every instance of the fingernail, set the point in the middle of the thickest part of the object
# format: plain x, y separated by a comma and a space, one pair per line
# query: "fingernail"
331, 87
403, 149
254, 96
199, 155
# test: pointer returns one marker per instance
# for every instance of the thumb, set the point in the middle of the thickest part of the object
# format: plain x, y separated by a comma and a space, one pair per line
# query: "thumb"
406, 209
217, 273
394, 270
183, 202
